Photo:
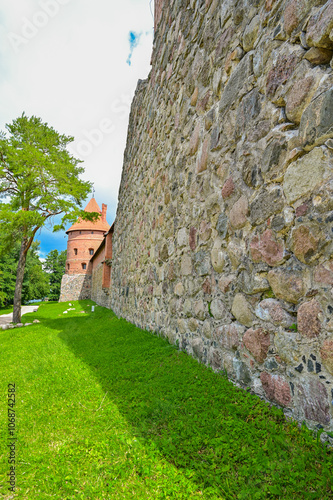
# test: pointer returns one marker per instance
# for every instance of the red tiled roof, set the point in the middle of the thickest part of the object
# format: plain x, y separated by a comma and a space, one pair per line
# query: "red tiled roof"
99, 225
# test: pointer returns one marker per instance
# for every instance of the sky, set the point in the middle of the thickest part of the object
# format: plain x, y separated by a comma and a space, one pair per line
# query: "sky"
75, 64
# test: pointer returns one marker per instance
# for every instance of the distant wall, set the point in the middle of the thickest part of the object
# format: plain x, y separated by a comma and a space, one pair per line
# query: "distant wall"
223, 235
75, 287
99, 292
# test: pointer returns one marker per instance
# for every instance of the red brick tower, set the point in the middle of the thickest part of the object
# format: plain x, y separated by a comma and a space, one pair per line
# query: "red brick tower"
84, 237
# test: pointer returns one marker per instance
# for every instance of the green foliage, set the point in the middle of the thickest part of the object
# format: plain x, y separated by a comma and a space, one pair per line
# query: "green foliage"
269, 294
109, 411
35, 282
39, 178
54, 265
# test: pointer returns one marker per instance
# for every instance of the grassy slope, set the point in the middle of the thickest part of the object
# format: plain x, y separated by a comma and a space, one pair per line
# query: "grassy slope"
105, 410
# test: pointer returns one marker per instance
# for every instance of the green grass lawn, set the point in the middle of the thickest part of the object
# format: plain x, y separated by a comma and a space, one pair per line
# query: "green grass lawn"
105, 410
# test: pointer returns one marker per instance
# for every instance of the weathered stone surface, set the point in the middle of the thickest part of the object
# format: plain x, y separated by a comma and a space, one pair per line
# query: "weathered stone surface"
202, 263
247, 112
265, 248
205, 231
228, 188
238, 213
236, 251
199, 309
164, 254
281, 72
317, 121
272, 311
257, 342
222, 225
287, 285
75, 287
197, 347
318, 56
265, 204
276, 388
294, 12
182, 326
304, 243
314, 401
225, 282
241, 310
193, 238
194, 141
252, 283
320, 26
326, 353
182, 237
217, 256
304, 175
179, 289
251, 33
324, 273
233, 89
298, 98
307, 319
228, 172
273, 158
186, 265
287, 347
206, 329
192, 324
216, 359
227, 336
217, 309
203, 158
251, 173
242, 372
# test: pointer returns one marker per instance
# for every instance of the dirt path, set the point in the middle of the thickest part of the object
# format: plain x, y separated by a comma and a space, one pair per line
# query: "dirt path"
5, 319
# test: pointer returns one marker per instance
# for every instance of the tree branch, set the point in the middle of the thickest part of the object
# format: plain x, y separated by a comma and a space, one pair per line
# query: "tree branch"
31, 239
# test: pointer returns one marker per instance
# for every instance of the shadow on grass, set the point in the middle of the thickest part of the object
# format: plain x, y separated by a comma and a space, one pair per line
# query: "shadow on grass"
231, 441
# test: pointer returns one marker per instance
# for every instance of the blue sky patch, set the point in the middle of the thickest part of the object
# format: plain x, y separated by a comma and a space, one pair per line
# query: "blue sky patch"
134, 39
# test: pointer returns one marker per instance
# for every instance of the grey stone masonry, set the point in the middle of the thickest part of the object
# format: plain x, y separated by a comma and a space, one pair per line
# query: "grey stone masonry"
75, 287
223, 236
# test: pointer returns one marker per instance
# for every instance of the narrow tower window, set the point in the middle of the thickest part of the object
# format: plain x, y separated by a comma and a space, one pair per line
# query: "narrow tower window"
84, 266
75, 251
68, 267
91, 251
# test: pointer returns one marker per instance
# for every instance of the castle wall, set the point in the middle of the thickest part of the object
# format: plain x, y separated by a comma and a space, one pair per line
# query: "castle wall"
75, 287
99, 292
223, 234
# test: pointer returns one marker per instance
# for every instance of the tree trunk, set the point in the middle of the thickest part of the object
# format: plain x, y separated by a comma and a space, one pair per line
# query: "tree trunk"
19, 282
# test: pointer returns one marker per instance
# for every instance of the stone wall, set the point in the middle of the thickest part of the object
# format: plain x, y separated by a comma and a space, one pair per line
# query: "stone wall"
223, 235
99, 293
75, 287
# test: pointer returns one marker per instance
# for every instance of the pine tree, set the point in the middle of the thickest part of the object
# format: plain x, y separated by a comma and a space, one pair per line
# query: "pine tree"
39, 179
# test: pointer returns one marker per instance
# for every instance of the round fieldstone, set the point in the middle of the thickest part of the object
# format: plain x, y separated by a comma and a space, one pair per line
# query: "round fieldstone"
326, 353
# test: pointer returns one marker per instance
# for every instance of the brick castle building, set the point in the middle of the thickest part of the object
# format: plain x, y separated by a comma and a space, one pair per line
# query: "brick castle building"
89, 251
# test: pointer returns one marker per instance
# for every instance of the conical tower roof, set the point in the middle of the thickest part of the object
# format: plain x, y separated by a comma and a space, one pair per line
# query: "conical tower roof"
86, 225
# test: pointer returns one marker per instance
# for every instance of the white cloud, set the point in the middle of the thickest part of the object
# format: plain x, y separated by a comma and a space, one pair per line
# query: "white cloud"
65, 61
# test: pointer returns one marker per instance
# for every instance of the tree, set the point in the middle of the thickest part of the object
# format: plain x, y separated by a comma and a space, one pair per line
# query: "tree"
54, 265
39, 179
35, 282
